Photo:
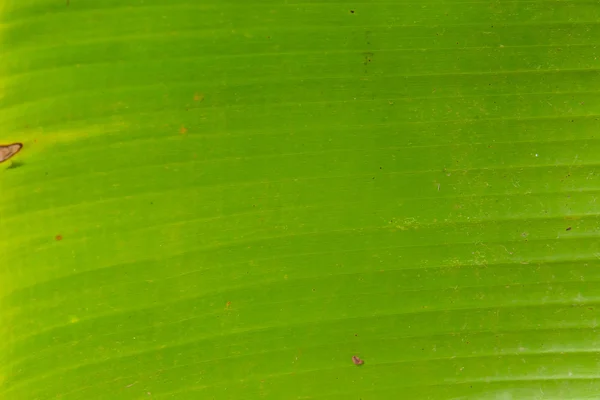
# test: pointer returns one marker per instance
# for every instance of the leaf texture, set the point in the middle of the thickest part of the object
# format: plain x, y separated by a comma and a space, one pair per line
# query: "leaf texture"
226, 199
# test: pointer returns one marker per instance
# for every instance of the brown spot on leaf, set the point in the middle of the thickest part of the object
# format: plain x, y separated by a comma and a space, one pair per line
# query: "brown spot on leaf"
9, 150
58, 237
198, 97
183, 130
357, 361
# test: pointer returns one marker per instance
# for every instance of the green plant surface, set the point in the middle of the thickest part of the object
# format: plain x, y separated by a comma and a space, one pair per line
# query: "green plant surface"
226, 199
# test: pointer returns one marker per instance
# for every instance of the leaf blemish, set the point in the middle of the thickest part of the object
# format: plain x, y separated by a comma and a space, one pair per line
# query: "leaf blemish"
9, 150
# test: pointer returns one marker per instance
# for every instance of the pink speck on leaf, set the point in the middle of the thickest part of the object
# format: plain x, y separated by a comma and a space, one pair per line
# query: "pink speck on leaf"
357, 361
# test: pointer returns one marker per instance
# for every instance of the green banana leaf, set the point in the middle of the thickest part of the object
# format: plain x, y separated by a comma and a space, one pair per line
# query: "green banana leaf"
299, 199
